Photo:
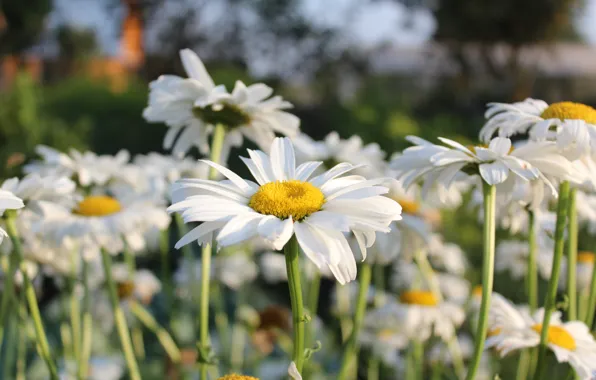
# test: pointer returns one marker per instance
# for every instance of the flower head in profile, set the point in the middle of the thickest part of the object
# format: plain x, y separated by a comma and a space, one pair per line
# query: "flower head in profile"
499, 163
284, 202
141, 284
571, 125
192, 106
515, 329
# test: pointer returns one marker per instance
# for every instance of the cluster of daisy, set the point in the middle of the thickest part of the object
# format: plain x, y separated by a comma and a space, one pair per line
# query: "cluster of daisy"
188, 261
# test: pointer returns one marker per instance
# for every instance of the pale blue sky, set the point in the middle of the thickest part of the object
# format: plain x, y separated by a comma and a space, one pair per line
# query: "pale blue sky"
374, 23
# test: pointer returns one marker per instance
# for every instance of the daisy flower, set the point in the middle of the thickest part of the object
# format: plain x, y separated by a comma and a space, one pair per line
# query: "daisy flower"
86, 168
516, 329
333, 150
383, 333
192, 106
422, 314
285, 202
99, 222
512, 256
571, 125
142, 285
235, 270
446, 256
35, 188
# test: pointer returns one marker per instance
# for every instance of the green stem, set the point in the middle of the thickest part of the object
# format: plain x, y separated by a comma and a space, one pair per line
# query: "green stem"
551, 295
75, 321
374, 366
488, 259
216, 148
591, 308
291, 251
349, 357
532, 277
572, 256
42, 339
8, 352
418, 348
164, 250
523, 365
120, 319
8, 289
312, 305
165, 339
221, 318
87, 324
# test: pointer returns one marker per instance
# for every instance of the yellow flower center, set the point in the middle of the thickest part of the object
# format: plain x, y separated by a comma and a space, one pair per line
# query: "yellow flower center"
125, 289
408, 206
287, 198
557, 336
493, 332
98, 205
570, 111
418, 297
585, 257
237, 377
385, 335
477, 291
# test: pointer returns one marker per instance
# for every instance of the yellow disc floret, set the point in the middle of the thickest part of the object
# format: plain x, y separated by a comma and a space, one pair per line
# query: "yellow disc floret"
570, 111
558, 336
287, 198
585, 257
237, 377
125, 289
408, 206
98, 205
477, 291
418, 297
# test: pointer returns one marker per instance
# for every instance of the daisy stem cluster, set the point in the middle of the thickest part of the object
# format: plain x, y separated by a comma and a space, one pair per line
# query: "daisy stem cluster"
488, 258
349, 358
42, 340
572, 255
291, 252
206, 252
120, 319
551, 295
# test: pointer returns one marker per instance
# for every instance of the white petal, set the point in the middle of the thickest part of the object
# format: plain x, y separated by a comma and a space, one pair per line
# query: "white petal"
276, 231
500, 146
283, 160
194, 68
494, 173
240, 228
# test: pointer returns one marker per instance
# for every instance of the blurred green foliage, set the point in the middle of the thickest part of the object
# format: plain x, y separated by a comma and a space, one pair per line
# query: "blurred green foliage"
24, 124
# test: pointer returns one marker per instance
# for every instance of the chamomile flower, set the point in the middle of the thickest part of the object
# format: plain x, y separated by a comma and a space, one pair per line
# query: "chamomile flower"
191, 107
235, 270
98, 222
142, 284
35, 188
512, 256
571, 125
8, 201
333, 150
422, 315
495, 164
446, 256
287, 202
571, 342
383, 333
87, 168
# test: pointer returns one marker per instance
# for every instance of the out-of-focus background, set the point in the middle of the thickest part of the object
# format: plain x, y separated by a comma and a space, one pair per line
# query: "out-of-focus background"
74, 73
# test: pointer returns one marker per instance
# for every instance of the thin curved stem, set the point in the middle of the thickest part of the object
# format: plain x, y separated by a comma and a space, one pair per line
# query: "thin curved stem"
532, 276
349, 357
291, 252
119, 319
87, 324
487, 276
312, 305
549, 302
